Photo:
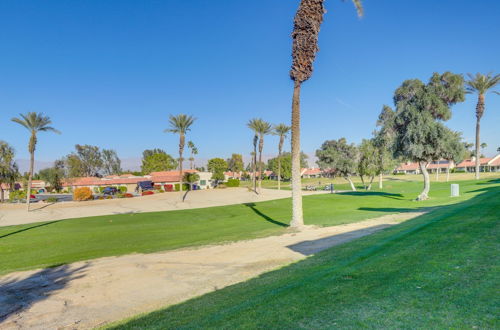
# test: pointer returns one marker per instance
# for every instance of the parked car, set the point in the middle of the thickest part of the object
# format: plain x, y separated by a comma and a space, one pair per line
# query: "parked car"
144, 186
108, 191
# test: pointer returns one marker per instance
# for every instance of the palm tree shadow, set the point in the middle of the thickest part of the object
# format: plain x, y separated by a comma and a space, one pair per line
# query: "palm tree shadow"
264, 216
42, 207
29, 228
17, 295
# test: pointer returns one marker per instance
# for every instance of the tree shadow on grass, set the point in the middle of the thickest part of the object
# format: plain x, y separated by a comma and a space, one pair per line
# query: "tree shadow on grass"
29, 228
372, 193
308, 248
398, 209
17, 295
264, 216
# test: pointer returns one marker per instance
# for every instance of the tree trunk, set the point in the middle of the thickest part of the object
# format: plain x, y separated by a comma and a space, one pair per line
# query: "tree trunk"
297, 213
371, 181
479, 114
348, 178
448, 172
380, 180
181, 149
437, 174
30, 179
363, 182
261, 147
2, 197
254, 165
427, 184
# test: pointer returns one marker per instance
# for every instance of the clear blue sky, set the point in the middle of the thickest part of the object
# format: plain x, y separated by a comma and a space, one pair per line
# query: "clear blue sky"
110, 72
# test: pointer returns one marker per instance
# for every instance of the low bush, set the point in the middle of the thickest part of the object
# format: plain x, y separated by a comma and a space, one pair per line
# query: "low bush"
185, 187
233, 183
122, 189
147, 193
96, 190
17, 195
399, 173
82, 194
51, 199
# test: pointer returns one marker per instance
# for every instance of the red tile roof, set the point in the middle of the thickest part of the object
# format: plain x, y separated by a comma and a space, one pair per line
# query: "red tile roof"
311, 171
495, 162
407, 167
472, 163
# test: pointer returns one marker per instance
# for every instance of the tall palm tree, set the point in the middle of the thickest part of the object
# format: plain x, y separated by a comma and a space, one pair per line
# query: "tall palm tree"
261, 128
180, 124
34, 123
282, 131
254, 162
480, 84
194, 151
307, 24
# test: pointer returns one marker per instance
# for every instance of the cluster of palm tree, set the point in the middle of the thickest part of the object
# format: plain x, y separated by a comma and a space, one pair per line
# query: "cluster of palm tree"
261, 128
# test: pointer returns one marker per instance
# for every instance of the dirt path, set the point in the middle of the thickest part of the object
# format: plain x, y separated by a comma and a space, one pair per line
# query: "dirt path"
15, 214
84, 295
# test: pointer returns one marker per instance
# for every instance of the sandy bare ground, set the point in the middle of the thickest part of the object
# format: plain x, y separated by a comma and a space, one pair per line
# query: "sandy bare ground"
84, 295
16, 214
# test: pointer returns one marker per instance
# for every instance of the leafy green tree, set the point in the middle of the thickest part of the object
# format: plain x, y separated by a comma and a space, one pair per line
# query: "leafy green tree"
217, 166
481, 84
34, 123
420, 110
235, 163
283, 165
157, 160
368, 164
180, 124
261, 128
53, 175
453, 150
8, 168
282, 131
86, 160
383, 141
340, 157
111, 163
306, 28
194, 151
468, 150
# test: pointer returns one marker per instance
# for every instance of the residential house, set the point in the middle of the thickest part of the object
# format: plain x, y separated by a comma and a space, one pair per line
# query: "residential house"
485, 164
308, 173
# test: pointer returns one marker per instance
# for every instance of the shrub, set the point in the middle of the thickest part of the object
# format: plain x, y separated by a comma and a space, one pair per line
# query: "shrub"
161, 191
82, 194
51, 199
17, 195
96, 190
147, 192
122, 189
233, 183
185, 187
400, 173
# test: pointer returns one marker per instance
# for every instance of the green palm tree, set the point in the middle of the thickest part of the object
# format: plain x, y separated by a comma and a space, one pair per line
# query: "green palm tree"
194, 151
254, 162
282, 131
180, 124
307, 24
480, 84
261, 128
34, 123
8, 168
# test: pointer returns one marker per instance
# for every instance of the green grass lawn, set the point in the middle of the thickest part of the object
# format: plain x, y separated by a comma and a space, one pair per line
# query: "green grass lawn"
438, 271
53, 243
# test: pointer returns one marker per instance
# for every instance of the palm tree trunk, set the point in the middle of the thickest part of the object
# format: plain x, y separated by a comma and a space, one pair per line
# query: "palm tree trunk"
254, 165
479, 114
427, 184
181, 149
30, 179
297, 213
279, 171
261, 147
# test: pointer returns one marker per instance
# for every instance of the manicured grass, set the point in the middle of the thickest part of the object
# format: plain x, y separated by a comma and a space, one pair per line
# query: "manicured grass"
438, 271
53, 243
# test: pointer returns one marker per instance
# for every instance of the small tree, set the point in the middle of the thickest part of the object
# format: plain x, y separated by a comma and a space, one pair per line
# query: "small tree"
282, 131
194, 151
217, 166
340, 157
111, 163
283, 165
453, 150
8, 168
368, 164
53, 175
383, 141
420, 110
191, 178
261, 128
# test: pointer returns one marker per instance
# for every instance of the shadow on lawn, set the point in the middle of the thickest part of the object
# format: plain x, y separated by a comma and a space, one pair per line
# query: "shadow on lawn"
372, 193
308, 248
19, 295
29, 228
398, 209
265, 217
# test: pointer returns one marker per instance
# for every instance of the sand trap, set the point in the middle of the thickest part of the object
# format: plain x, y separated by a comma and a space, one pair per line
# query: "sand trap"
16, 214
84, 295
